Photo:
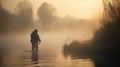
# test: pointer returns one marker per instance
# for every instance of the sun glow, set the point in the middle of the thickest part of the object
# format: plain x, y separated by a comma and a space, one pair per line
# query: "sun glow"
84, 9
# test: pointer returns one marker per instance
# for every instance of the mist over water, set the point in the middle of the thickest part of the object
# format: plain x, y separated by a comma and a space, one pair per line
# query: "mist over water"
54, 31
17, 52
47, 20
66, 41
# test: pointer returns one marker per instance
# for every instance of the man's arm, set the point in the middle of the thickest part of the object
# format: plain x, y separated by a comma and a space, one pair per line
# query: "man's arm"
39, 39
31, 38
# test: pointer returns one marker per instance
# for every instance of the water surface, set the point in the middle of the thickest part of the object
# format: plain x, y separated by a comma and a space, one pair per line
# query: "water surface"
16, 52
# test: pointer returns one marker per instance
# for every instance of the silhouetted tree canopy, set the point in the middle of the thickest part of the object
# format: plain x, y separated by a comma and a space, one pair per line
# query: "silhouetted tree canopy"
46, 14
107, 39
111, 9
15, 22
4, 18
24, 15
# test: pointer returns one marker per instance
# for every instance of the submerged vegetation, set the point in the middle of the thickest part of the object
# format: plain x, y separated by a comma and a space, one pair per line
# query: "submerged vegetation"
77, 49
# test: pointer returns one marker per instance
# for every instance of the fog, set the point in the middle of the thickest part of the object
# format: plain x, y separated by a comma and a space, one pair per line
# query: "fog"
22, 21
16, 22
75, 41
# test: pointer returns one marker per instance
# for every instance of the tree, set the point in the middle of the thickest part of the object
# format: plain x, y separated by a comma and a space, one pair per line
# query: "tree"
4, 18
46, 14
107, 39
111, 9
24, 15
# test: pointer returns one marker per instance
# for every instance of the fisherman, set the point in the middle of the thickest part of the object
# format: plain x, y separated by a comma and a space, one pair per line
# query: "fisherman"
35, 39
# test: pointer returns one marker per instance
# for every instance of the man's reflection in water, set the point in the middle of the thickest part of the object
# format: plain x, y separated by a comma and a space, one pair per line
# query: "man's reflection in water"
34, 56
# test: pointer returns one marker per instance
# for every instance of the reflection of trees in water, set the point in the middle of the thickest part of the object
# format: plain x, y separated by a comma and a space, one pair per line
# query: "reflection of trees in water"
1, 59
3, 51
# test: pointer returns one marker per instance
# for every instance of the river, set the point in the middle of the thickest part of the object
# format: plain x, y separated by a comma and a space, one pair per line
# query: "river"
15, 51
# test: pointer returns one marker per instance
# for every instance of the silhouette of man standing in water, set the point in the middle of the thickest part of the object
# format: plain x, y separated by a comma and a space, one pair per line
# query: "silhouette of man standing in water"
35, 39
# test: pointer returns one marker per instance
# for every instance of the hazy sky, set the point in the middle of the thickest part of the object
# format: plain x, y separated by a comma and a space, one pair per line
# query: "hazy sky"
79, 10
84, 9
